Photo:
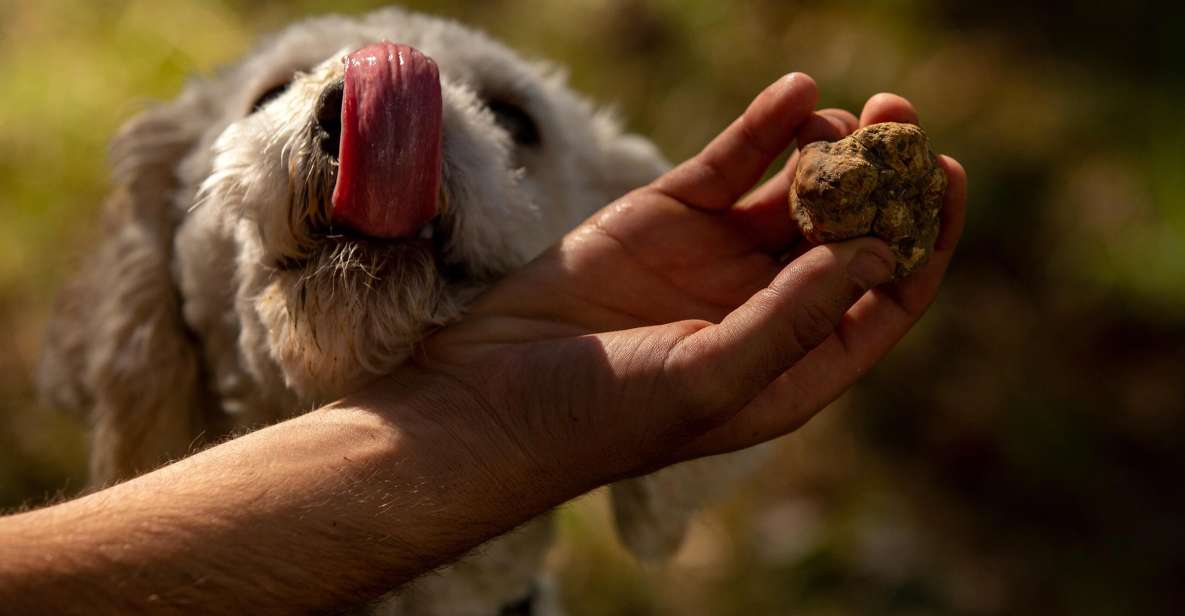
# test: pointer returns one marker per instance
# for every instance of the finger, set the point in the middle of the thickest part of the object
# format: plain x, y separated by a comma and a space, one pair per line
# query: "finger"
865, 334
845, 120
733, 162
764, 214
884, 316
721, 367
954, 209
826, 125
887, 107
851, 122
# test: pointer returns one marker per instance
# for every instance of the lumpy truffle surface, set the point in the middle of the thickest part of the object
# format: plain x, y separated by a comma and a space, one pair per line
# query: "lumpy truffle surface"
882, 180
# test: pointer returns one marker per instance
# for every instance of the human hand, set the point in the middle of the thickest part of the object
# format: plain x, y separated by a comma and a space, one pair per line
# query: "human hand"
688, 318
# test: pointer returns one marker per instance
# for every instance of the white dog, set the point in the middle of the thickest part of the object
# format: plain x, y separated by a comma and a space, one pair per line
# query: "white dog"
288, 229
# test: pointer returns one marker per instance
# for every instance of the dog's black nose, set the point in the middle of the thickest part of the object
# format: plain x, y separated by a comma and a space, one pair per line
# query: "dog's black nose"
329, 118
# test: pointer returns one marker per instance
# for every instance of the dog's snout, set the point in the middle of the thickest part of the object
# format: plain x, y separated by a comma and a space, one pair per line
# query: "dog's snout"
329, 117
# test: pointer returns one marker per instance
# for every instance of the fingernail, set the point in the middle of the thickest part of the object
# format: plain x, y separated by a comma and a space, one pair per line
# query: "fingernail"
869, 269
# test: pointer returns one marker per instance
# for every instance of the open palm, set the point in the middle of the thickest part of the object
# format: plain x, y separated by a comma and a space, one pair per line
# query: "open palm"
689, 317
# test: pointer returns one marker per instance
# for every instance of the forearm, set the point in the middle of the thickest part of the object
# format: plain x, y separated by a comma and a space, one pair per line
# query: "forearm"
327, 509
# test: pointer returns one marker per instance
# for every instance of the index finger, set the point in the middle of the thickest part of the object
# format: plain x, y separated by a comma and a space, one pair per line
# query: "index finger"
735, 160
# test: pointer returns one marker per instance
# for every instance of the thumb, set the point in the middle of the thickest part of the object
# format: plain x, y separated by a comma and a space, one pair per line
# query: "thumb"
723, 366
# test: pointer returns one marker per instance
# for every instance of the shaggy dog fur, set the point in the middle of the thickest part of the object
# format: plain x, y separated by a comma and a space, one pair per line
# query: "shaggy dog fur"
221, 300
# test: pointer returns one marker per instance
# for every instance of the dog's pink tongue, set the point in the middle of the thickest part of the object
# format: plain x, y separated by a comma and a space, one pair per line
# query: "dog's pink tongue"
389, 173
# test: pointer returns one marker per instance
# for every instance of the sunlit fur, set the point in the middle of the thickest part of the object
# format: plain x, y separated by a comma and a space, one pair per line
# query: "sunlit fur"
221, 297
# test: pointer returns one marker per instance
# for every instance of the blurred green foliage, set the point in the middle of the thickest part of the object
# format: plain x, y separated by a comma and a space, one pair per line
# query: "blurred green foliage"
1019, 453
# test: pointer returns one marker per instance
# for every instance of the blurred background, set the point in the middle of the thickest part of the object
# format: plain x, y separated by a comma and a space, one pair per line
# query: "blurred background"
1021, 452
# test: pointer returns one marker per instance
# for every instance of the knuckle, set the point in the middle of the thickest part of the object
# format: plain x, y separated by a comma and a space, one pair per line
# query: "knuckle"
721, 179
813, 268
811, 325
697, 384
756, 140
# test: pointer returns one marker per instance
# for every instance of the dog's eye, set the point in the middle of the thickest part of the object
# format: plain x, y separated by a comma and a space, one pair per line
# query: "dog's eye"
516, 122
270, 95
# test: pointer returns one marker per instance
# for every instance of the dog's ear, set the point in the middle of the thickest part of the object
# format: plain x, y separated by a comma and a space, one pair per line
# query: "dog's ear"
117, 346
652, 512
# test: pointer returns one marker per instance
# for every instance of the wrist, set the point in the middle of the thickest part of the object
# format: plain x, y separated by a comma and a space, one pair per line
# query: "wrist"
472, 448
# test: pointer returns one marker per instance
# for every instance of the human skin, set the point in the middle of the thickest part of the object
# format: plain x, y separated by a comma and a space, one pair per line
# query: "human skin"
687, 318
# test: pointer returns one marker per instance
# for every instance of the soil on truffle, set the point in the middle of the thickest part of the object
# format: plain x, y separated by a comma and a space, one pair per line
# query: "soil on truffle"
882, 180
